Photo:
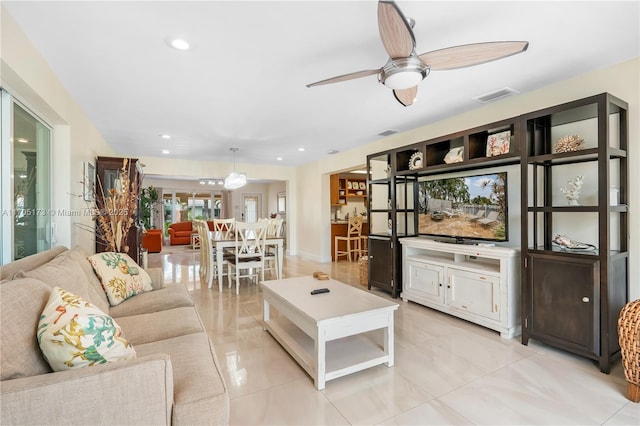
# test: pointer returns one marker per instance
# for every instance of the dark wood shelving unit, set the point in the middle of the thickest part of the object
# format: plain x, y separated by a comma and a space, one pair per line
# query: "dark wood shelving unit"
400, 185
571, 299
108, 171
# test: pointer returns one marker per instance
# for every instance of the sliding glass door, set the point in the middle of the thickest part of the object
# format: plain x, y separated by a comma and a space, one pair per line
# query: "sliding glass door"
25, 146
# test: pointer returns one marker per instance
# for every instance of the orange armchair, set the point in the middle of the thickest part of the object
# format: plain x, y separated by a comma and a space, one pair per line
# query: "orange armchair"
152, 240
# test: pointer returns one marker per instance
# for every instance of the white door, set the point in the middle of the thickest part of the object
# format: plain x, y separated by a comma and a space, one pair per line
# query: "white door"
425, 280
251, 207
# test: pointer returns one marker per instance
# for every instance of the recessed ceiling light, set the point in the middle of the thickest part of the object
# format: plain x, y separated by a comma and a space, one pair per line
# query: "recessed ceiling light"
165, 151
301, 149
165, 136
178, 43
23, 140
333, 151
23, 176
279, 158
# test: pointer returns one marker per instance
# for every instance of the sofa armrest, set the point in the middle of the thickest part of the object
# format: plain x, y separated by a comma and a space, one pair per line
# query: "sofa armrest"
157, 277
139, 391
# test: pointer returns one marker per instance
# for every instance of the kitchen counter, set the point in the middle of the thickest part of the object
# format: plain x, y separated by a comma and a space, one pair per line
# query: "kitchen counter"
344, 221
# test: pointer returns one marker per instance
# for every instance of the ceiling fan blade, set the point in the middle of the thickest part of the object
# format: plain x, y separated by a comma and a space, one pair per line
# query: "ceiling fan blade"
395, 31
467, 55
345, 77
406, 96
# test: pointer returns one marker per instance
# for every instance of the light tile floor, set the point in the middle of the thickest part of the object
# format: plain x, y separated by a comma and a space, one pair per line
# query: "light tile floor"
447, 371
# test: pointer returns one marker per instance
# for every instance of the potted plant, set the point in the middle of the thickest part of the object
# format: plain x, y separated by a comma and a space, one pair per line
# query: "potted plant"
149, 199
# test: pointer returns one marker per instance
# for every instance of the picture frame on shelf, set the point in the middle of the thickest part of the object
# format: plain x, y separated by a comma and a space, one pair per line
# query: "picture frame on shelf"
89, 181
363, 185
349, 185
498, 143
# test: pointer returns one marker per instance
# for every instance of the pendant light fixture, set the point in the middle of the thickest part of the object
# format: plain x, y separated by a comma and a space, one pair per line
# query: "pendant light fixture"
235, 179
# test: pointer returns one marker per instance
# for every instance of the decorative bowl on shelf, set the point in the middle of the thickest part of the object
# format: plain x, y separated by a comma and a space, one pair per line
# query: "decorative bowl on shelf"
359, 192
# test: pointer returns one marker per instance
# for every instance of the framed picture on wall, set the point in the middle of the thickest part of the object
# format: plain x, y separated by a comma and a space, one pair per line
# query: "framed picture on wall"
89, 181
282, 202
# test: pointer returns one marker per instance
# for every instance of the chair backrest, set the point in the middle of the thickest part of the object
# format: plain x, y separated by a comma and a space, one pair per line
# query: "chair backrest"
275, 228
250, 239
355, 226
493, 215
205, 244
223, 228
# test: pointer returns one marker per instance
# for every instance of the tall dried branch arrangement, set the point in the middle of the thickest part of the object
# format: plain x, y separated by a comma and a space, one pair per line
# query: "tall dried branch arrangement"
115, 214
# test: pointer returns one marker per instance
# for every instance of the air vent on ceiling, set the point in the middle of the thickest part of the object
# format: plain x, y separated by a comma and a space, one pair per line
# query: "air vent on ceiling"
387, 132
495, 95
333, 151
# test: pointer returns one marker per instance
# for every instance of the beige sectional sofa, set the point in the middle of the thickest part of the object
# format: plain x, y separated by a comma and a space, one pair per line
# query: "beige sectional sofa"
175, 378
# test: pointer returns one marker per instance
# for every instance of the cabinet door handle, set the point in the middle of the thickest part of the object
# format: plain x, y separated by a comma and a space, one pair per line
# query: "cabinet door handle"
585, 299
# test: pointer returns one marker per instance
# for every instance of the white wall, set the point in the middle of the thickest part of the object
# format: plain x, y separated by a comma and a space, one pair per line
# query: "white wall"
26, 76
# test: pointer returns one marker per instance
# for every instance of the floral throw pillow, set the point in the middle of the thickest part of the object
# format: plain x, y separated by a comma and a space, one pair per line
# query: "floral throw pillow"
121, 277
73, 333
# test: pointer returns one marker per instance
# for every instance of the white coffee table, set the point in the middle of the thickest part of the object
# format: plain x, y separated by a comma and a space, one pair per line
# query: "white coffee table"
323, 332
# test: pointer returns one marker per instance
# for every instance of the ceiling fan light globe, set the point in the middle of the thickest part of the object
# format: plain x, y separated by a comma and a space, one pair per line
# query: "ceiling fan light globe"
403, 79
235, 180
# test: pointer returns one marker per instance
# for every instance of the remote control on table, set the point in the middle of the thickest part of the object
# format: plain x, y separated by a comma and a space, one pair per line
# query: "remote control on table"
320, 290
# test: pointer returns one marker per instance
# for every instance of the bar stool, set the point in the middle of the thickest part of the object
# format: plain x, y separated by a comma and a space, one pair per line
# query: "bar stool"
354, 231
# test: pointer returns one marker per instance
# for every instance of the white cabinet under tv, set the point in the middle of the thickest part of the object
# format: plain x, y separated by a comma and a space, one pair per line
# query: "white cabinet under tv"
477, 283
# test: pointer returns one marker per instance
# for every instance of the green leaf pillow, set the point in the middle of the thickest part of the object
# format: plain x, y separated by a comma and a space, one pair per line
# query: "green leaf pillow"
73, 333
120, 275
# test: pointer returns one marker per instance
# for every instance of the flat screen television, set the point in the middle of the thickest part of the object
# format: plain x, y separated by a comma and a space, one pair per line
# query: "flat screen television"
464, 208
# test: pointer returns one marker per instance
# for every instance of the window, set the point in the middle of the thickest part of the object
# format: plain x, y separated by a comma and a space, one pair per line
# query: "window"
25, 145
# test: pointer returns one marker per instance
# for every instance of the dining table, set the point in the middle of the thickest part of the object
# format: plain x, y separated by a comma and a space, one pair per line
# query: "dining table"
219, 244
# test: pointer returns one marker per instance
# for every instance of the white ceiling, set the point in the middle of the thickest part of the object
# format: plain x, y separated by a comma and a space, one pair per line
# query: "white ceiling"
243, 85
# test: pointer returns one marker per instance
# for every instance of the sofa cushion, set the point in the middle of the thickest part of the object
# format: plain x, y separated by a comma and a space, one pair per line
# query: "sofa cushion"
160, 325
28, 263
66, 271
168, 297
21, 302
199, 391
80, 256
120, 275
73, 333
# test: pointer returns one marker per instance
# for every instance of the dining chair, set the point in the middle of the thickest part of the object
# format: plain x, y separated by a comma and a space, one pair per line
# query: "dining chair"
250, 241
223, 228
207, 263
274, 230
352, 240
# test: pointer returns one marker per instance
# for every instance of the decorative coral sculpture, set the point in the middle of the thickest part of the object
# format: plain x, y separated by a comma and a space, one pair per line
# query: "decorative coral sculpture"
569, 144
572, 190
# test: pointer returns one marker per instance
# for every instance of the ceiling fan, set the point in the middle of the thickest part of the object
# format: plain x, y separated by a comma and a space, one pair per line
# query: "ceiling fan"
405, 69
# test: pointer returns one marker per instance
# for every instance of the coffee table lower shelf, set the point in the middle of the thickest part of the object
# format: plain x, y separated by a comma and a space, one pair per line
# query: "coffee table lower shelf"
342, 356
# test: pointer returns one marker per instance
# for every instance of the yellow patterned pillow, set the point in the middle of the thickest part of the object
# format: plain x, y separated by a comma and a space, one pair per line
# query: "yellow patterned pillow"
121, 277
73, 333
